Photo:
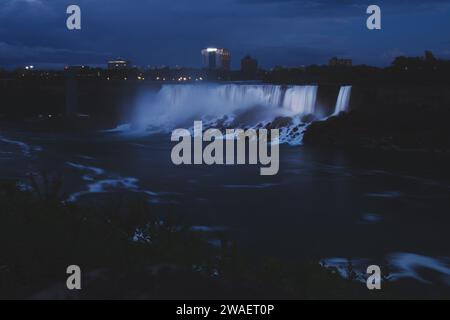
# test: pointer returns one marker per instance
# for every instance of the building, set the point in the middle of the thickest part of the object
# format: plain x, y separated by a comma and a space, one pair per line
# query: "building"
249, 66
216, 58
77, 69
119, 64
336, 62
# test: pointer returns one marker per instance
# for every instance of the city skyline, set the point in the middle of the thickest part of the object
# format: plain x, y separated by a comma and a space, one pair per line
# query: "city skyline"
158, 33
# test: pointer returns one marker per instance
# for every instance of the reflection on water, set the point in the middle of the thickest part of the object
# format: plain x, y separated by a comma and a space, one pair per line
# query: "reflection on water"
382, 208
401, 265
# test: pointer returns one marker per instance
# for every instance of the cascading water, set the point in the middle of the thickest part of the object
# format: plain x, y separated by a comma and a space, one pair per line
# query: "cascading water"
245, 95
301, 99
242, 105
343, 100
232, 106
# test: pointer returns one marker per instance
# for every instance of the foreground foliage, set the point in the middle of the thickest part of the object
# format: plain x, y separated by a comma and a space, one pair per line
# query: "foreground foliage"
126, 250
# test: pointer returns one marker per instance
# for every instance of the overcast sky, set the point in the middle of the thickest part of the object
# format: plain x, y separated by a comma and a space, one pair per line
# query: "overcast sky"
172, 32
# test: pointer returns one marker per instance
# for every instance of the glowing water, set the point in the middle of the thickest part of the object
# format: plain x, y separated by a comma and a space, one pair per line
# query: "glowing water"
301, 99
231, 106
177, 105
343, 100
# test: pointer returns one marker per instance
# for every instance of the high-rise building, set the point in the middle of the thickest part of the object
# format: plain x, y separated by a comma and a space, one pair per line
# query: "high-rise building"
216, 58
249, 66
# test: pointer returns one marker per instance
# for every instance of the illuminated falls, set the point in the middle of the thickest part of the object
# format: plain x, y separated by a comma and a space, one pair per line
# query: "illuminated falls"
288, 108
343, 100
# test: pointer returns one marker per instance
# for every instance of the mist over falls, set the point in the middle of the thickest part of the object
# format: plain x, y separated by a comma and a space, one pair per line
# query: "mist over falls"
288, 108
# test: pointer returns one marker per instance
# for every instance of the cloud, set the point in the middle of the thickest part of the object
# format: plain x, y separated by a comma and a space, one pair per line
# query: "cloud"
9, 5
295, 55
344, 8
24, 54
173, 31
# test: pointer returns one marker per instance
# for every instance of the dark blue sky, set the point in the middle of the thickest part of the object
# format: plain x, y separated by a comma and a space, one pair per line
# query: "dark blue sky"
172, 32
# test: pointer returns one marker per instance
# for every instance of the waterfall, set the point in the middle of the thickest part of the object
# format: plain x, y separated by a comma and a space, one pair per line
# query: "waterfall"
295, 99
245, 95
343, 100
175, 106
301, 99
231, 105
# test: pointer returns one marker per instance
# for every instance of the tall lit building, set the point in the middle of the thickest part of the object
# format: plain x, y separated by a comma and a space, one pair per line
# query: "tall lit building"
216, 58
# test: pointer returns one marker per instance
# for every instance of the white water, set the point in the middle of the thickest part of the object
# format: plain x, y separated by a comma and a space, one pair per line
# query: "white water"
26, 149
301, 99
402, 265
343, 100
100, 181
178, 105
230, 106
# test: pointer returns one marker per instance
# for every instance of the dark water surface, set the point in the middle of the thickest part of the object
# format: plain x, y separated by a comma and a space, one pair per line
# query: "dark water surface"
386, 207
